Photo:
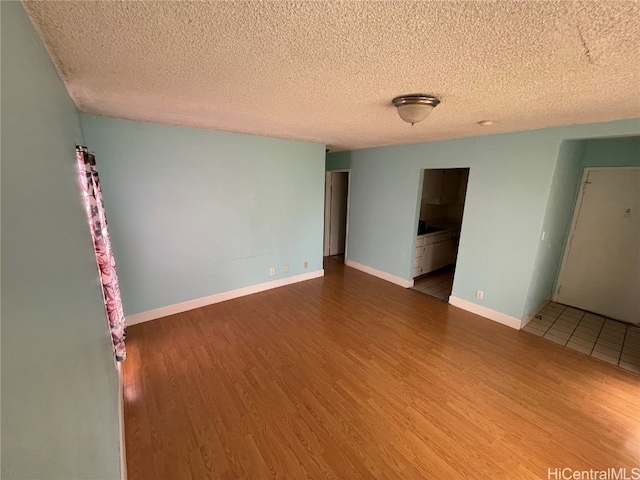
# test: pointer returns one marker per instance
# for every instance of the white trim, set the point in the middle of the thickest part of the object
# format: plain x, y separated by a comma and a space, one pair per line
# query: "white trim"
485, 312
574, 220
123, 449
380, 274
326, 249
327, 213
346, 230
219, 297
416, 221
534, 312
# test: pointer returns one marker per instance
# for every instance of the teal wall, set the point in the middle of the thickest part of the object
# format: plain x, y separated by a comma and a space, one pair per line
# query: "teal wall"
509, 185
612, 152
573, 157
196, 212
59, 383
338, 161
556, 223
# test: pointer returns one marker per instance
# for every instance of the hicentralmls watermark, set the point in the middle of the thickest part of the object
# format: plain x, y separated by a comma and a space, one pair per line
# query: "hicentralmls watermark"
606, 474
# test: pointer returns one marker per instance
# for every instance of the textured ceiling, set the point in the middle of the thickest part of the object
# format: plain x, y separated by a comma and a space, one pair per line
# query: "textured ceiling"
326, 71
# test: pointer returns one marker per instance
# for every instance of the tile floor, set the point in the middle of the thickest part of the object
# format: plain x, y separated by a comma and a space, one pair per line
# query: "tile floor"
614, 342
436, 284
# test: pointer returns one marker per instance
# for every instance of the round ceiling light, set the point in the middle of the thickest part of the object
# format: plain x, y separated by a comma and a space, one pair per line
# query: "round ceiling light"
415, 108
485, 123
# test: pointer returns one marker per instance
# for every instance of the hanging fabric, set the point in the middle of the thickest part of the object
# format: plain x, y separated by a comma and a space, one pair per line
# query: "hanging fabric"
102, 246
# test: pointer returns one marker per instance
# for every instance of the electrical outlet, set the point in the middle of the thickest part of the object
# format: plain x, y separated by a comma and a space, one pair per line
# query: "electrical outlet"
285, 269
479, 294
272, 271
306, 264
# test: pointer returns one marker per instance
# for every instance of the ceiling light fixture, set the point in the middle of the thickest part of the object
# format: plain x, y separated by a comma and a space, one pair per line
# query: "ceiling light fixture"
485, 123
415, 108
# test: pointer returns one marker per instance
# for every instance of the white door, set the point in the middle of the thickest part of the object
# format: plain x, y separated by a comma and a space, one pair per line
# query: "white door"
335, 217
601, 269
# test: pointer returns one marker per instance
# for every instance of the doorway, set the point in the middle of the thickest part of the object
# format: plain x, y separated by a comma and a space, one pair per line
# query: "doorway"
336, 213
600, 270
441, 209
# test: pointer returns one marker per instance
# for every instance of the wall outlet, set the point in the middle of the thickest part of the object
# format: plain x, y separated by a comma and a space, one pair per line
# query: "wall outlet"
272, 271
285, 269
306, 264
479, 294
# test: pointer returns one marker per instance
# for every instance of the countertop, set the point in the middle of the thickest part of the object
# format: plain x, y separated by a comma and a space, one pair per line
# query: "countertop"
447, 226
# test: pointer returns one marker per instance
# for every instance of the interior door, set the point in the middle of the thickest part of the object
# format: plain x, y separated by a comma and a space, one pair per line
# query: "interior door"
601, 269
339, 190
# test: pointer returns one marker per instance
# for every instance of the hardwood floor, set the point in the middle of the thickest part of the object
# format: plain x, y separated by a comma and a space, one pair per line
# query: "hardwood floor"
349, 377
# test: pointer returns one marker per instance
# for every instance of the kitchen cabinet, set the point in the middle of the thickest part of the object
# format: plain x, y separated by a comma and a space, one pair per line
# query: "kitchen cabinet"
450, 187
438, 255
442, 186
417, 257
432, 186
462, 186
434, 251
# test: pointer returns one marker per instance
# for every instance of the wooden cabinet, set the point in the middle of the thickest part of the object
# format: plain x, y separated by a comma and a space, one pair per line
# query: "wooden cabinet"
438, 255
434, 251
462, 186
450, 187
417, 257
443, 186
432, 186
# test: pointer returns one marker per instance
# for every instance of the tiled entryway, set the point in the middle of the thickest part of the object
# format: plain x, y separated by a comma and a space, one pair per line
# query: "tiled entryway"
436, 284
614, 342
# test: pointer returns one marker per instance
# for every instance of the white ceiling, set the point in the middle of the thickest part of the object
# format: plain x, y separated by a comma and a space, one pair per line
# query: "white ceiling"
326, 71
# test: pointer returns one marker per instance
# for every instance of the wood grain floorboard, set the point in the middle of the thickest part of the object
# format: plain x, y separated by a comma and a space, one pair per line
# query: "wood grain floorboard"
350, 377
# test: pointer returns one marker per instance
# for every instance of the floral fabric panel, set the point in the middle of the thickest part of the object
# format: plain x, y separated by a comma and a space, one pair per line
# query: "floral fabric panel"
102, 246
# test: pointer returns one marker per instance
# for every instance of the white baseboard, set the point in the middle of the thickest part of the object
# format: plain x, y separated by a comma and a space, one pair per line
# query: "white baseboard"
219, 297
123, 449
485, 312
379, 273
535, 311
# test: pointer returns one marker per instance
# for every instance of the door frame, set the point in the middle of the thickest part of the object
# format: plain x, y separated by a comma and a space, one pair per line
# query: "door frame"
574, 220
327, 211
